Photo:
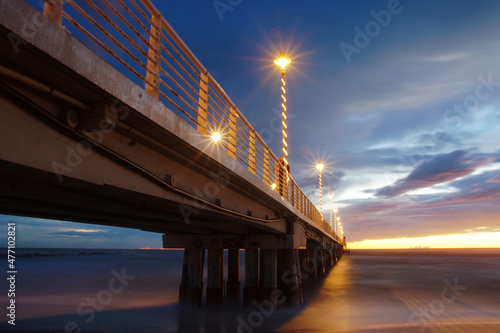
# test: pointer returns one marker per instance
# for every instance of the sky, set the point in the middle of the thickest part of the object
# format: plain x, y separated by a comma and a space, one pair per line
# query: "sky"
399, 99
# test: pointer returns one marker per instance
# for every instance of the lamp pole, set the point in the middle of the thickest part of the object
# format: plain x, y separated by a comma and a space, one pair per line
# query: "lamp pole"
335, 217
320, 167
283, 61
331, 209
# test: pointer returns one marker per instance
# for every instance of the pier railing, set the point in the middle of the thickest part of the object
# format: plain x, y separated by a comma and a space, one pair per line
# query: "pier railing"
133, 36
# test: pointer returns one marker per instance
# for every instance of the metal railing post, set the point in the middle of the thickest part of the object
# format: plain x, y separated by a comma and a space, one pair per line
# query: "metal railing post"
52, 9
302, 202
203, 104
251, 151
231, 140
266, 166
152, 86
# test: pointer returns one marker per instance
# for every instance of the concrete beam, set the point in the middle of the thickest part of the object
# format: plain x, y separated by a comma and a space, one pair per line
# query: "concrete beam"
102, 117
231, 241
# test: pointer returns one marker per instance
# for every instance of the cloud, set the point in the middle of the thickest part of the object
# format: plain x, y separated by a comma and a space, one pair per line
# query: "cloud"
441, 168
404, 216
51, 233
474, 204
418, 75
87, 233
371, 158
331, 180
475, 188
372, 206
494, 179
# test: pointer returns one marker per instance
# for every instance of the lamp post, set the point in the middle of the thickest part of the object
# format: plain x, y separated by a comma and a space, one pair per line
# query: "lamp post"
320, 167
331, 209
283, 61
335, 218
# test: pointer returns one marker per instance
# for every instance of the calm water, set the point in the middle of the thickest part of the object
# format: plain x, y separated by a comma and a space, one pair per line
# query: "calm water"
368, 291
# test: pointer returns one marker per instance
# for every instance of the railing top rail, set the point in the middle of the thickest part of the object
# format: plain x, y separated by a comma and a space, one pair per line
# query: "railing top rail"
150, 7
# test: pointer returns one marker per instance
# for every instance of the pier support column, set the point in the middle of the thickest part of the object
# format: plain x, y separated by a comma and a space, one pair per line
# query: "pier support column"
299, 275
233, 276
320, 261
331, 260
250, 291
312, 263
326, 258
191, 288
304, 263
306, 271
184, 279
215, 276
288, 281
268, 276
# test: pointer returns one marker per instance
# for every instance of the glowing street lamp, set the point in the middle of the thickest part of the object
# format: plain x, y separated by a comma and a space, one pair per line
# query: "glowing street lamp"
216, 136
283, 61
320, 167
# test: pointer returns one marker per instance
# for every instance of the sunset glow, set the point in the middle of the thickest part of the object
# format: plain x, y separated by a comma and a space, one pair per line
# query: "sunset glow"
466, 240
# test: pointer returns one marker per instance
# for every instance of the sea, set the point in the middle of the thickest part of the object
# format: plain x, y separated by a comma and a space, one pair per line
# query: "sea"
394, 291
